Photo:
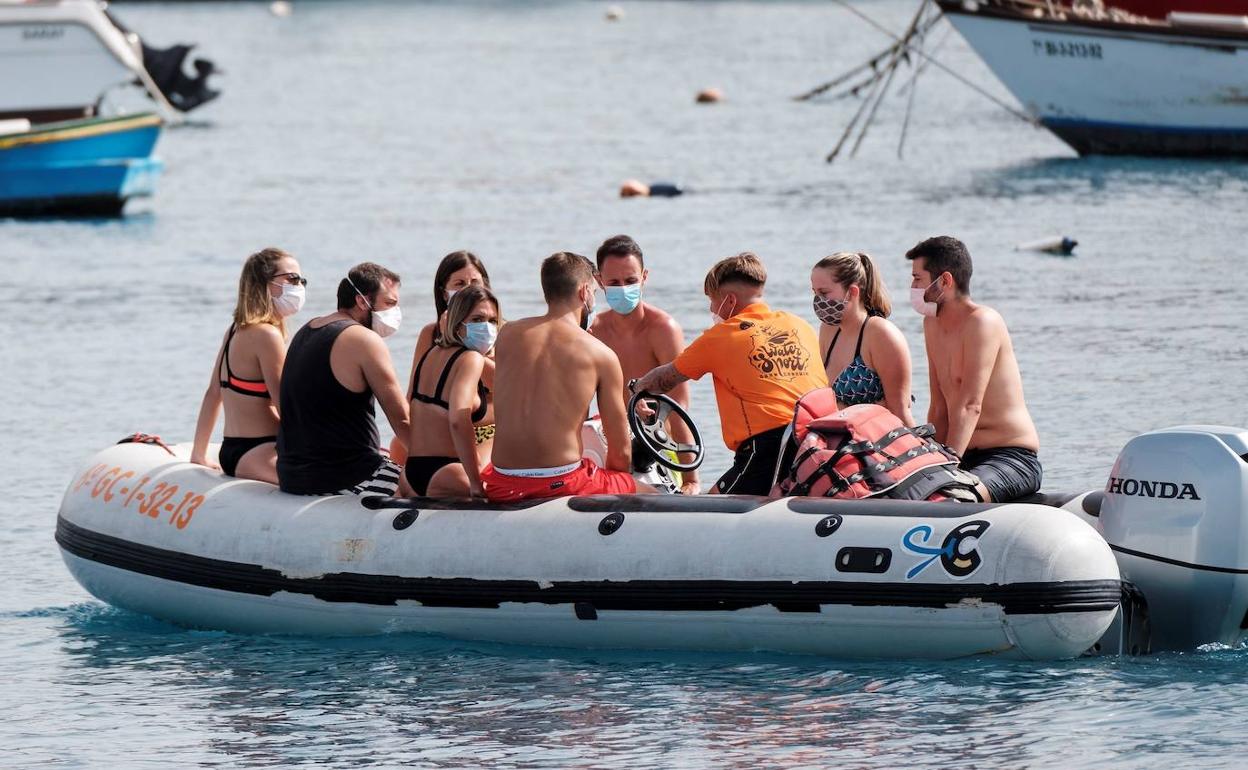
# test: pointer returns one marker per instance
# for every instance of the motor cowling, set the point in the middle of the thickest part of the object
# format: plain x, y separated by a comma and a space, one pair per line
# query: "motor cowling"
1175, 512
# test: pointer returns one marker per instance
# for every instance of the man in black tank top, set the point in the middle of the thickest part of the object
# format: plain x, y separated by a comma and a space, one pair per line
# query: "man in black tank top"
328, 441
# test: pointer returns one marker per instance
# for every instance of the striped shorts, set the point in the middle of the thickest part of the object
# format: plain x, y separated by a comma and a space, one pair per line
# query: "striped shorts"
384, 481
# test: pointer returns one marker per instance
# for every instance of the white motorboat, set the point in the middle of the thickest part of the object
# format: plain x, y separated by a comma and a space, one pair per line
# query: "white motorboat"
63, 57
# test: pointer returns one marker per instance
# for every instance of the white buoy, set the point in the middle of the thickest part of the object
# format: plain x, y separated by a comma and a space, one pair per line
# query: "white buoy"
280, 8
614, 13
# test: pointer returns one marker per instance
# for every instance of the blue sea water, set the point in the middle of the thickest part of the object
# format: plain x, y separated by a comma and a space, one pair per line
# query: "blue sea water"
398, 132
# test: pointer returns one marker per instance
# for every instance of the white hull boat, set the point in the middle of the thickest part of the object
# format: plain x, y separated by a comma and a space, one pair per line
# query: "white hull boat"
1110, 86
1157, 560
63, 58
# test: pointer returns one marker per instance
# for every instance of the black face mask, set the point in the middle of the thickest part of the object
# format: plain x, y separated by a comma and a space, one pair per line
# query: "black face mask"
587, 314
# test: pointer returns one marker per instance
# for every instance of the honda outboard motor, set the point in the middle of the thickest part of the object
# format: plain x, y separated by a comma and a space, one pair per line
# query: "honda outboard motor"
1175, 512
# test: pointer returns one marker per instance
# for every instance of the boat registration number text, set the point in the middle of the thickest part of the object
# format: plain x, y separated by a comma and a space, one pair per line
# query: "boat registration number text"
118, 486
1062, 49
43, 33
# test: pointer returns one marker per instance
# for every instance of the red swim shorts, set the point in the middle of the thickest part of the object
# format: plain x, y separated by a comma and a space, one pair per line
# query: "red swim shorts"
587, 479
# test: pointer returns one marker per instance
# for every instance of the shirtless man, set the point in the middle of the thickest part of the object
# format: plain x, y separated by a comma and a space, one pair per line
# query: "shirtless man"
327, 442
548, 369
977, 392
641, 335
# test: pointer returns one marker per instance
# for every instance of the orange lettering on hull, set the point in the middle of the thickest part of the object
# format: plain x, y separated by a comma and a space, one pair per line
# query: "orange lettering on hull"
115, 485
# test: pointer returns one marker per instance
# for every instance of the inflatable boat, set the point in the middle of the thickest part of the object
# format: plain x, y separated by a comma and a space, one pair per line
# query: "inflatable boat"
1156, 560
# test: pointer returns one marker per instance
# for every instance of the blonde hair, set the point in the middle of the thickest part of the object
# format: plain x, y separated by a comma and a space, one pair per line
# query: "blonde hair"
460, 308
255, 305
745, 268
850, 268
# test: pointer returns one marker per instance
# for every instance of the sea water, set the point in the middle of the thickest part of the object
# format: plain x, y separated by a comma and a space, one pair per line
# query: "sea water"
398, 132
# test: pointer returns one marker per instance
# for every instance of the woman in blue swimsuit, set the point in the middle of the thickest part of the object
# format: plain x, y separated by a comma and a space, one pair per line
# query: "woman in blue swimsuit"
865, 355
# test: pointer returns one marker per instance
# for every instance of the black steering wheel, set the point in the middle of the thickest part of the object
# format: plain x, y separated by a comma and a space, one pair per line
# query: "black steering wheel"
653, 433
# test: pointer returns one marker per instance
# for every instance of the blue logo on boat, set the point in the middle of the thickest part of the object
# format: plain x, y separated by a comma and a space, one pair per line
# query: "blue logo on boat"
955, 557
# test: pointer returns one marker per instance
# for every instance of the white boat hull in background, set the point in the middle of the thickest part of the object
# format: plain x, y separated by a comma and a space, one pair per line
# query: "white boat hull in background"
60, 58
1116, 88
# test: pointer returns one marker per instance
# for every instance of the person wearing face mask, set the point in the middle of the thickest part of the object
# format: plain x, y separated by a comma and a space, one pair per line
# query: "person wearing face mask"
337, 364
762, 361
248, 371
456, 271
977, 401
452, 411
549, 370
865, 356
641, 335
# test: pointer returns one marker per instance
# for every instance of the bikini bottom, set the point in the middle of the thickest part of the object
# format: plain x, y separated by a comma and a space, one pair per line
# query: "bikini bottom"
233, 449
420, 469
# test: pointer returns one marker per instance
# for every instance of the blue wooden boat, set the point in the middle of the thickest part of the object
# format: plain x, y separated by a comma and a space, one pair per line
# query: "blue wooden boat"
79, 167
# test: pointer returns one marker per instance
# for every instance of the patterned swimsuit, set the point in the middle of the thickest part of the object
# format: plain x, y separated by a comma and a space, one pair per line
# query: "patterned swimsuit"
857, 383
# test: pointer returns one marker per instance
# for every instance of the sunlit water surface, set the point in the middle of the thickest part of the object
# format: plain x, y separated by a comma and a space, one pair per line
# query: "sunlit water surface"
399, 132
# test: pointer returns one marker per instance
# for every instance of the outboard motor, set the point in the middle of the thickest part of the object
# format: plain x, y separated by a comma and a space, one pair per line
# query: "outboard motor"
1175, 512
166, 68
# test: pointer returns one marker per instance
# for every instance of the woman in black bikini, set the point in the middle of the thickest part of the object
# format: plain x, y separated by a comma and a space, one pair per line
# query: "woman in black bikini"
246, 377
450, 405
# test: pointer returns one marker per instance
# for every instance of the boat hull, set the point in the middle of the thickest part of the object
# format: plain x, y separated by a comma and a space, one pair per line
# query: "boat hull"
86, 167
149, 532
1115, 88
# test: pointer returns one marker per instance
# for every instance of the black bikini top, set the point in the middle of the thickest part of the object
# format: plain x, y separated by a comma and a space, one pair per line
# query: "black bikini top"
255, 388
436, 399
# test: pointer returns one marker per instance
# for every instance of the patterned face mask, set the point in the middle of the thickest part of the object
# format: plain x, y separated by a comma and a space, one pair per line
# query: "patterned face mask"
829, 311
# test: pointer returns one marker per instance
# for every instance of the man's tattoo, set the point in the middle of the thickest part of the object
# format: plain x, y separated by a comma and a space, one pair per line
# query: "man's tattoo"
661, 380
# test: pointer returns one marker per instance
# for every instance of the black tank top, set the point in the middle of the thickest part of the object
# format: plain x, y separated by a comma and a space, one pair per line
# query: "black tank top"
328, 438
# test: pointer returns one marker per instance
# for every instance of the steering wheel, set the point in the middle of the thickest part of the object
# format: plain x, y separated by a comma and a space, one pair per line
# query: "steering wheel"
653, 434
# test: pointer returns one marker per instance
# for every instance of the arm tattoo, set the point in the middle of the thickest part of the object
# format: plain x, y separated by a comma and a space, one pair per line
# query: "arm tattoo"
661, 379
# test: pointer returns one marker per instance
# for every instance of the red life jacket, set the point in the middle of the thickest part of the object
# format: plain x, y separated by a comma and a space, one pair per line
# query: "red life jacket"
866, 451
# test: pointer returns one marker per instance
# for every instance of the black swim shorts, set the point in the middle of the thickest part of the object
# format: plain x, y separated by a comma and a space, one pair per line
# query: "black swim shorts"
1009, 472
754, 465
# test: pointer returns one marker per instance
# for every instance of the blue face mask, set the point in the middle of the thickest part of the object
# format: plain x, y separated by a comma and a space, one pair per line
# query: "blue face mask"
480, 336
624, 299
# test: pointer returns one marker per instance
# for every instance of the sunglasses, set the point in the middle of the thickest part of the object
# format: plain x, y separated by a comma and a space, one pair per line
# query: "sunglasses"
294, 279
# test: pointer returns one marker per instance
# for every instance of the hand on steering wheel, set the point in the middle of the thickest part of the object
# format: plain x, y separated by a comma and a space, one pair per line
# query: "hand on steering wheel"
651, 431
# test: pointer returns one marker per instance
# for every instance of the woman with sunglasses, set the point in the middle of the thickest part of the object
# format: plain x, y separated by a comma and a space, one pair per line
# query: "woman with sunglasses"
246, 377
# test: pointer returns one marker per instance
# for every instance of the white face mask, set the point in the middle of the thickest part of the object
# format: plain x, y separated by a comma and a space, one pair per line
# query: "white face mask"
290, 301
920, 304
386, 322
716, 318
